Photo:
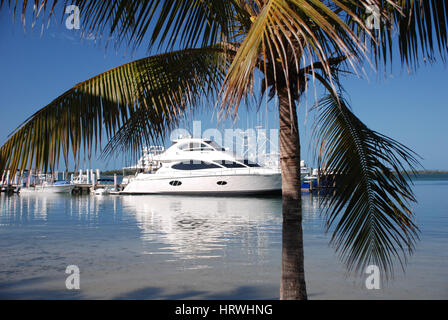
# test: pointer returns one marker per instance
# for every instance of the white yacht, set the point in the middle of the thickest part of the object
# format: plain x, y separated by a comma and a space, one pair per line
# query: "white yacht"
201, 166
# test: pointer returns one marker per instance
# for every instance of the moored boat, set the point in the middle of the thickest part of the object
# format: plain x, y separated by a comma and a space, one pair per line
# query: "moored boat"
46, 187
201, 166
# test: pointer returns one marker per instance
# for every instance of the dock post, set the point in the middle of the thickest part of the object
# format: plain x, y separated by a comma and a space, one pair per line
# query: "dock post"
318, 178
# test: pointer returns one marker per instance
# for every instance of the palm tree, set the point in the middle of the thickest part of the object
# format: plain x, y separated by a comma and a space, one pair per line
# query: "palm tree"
214, 50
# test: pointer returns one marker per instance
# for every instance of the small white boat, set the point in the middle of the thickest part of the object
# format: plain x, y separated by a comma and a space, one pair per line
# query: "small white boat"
200, 166
102, 191
46, 187
312, 176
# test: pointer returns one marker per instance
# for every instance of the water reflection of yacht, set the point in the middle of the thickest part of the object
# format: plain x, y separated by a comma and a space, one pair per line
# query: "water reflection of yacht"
197, 226
200, 166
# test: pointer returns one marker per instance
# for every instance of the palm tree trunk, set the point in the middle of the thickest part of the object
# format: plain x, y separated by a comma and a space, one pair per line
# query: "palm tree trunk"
293, 274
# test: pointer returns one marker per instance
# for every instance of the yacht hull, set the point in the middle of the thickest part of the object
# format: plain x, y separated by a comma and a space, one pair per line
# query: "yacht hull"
242, 184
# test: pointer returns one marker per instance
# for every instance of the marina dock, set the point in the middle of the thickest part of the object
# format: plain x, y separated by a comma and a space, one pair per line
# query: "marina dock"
90, 182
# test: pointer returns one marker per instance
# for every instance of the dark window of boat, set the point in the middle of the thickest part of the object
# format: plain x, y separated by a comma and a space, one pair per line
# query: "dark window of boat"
194, 165
249, 163
229, 164
175, 183
221, 183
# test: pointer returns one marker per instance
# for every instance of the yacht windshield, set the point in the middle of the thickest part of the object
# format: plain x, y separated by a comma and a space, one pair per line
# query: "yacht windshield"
215, 145
249, 163
230, 164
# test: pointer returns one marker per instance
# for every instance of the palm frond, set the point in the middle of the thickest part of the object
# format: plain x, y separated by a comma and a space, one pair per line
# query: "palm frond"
39, 7
199, 82
418, 27
180, 23
370, 208
160, 89
284, 37
423, 31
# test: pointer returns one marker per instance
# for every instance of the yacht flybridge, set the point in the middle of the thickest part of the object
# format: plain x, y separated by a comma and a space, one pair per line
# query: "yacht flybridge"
201, 166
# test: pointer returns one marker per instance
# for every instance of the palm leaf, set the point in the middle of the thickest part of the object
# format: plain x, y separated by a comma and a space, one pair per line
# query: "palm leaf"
186, 22
369, 210
39, 7
199, 82
419, 27
159, 89
423, 31
284, 37
172, 22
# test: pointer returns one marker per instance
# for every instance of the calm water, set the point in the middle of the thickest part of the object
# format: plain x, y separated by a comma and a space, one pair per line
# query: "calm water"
165, 247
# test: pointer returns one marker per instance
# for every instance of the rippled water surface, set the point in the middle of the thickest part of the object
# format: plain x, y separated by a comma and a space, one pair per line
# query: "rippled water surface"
178, 247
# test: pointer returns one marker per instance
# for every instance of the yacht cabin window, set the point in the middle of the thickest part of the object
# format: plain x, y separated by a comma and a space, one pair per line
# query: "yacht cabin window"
240, 164
230, 164
194, 165
249, 163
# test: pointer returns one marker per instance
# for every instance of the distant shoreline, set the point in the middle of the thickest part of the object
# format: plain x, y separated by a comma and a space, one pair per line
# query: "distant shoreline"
119, 172
429, 172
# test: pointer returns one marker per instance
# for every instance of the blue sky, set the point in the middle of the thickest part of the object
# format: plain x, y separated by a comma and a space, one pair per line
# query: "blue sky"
35, 69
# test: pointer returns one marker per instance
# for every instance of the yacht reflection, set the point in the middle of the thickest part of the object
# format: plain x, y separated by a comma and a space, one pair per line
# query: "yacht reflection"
14, 208
45, 207
188, 212
202, 227
311, 205
185, 226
